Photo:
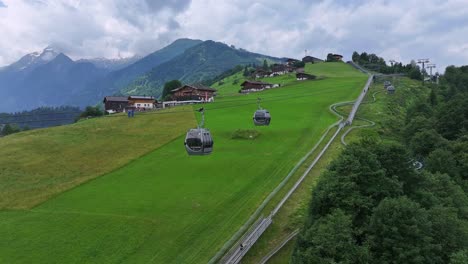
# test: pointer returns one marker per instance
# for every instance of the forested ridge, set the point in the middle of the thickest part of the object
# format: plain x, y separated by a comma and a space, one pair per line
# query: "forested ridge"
373, 206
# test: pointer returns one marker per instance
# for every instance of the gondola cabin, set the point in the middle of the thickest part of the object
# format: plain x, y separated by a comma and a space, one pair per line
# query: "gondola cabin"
198, 141
262, 117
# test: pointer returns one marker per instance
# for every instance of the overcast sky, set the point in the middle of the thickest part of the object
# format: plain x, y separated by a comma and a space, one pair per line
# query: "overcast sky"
400, 30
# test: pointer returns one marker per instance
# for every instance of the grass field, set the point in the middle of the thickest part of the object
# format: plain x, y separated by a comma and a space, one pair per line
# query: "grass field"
167, 207
37, 164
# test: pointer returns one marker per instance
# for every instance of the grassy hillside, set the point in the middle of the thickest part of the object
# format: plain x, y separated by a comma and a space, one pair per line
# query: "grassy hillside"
38, 164
167, 207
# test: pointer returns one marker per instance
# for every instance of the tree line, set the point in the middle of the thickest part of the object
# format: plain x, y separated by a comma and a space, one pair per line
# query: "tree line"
37, 118
378, 64
373, 206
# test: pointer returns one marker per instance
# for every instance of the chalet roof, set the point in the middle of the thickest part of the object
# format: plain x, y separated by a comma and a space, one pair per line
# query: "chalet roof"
255, 82
115, 99
337, 55
139, 97
291, 60
196, 87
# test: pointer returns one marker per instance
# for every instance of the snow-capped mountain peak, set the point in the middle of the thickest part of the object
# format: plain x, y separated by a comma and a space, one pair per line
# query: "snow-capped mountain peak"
48, 54
34, 59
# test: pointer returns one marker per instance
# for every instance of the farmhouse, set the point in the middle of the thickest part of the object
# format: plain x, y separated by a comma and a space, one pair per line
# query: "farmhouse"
290, 62
261, 73
141, 102
304, 76
114, 104
337, 57
279, 69
194, 92
255, 86
310, 59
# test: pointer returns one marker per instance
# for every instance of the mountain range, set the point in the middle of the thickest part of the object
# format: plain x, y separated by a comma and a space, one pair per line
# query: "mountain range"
51, 78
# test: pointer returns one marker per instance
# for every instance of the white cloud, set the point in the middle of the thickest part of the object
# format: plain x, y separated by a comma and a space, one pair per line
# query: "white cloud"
401, 30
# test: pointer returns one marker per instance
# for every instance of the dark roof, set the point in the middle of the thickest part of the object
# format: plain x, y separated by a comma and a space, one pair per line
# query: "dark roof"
115, 99
311, 58
337, 55
291, 60
304, 75
255, 82
196, 87
141, 97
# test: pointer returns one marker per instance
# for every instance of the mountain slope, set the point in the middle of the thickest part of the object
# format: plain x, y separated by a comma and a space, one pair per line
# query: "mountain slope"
114, 81
112, 64
199, 63
53, 83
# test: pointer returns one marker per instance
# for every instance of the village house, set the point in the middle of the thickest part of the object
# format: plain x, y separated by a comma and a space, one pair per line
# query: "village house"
115, 104
279, 69
141, 103
337, 57
291, 62
300, 76
196, 92
310, 59
255, 86
260, 73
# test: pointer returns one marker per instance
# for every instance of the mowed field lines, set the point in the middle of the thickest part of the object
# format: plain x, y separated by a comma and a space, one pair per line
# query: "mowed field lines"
167, 207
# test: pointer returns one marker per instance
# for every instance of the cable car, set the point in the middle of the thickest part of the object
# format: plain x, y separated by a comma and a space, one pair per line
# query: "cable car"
261, 117
198, 141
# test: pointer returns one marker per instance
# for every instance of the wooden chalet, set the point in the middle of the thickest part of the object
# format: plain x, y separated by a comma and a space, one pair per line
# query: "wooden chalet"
291, 62
337, 57
255, 86
141, 103
113, 104
310, 59
300, 76
261, 73
279, 69
193, 92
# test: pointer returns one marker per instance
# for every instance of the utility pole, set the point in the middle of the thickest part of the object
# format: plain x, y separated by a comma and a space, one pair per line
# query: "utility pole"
431, 66
392, 62
423, 61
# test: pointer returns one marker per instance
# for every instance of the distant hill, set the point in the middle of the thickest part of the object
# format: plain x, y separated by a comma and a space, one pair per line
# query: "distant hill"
201, 62
46, 79
115, 81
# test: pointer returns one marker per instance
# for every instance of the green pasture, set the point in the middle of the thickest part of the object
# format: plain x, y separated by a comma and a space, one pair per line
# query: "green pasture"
166, 206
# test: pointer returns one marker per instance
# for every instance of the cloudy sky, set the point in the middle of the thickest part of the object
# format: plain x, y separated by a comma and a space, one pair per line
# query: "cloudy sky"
400, 30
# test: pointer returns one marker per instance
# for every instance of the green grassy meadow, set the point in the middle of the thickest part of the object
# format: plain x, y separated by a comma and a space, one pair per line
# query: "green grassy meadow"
166, 206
